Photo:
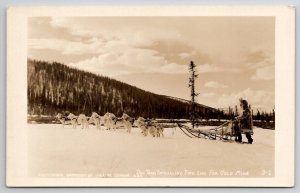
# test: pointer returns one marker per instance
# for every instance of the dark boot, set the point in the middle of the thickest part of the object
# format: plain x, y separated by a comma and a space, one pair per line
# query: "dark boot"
239, 137
250, 140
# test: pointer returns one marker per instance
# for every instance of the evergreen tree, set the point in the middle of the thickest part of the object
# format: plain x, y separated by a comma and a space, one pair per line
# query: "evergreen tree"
193, 76
236, 113
258, 116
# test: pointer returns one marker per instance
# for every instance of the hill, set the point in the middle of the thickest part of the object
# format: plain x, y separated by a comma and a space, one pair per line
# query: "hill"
55, 87
187, 101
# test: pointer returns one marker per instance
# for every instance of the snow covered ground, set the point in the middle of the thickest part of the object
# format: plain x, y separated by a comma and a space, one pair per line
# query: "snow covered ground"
54, 151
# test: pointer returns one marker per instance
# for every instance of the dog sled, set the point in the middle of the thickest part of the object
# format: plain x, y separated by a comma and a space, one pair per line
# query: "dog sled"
224, 131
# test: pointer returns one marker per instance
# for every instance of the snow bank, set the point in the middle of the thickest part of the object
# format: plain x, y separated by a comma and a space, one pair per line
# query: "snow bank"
66, 152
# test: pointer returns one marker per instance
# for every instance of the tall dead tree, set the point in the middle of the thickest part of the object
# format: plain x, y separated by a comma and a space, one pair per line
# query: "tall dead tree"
193, 76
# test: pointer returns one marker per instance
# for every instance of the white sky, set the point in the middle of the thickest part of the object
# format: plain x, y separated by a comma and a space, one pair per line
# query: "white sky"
234, 55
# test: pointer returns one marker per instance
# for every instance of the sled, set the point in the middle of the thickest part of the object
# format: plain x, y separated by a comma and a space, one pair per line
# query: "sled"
224, 131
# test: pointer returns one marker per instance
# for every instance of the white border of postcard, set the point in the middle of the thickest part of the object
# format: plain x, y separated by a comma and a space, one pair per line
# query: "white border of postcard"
16, 175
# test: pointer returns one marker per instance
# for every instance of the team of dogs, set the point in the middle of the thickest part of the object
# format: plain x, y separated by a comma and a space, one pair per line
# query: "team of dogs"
111, 122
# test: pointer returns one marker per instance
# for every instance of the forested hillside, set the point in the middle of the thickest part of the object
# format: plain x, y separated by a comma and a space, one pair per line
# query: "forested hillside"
54, 87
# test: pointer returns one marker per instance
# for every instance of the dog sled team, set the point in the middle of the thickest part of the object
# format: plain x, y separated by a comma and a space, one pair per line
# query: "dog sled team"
111, 122
242, 124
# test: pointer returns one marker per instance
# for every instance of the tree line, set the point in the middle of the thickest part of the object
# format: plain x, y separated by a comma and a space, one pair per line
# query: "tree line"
256, 115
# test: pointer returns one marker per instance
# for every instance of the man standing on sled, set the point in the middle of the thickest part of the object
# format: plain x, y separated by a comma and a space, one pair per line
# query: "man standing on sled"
244, 123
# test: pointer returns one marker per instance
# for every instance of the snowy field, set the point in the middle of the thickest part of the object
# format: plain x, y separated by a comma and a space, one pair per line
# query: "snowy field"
66, 152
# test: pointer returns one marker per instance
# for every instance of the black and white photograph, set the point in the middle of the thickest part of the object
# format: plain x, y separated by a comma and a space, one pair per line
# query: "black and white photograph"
149, 97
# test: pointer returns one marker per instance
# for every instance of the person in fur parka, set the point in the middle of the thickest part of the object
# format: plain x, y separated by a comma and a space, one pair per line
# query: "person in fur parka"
245, 122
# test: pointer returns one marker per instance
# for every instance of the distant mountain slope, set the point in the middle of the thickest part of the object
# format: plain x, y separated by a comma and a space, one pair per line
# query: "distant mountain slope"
186, 101
54, 87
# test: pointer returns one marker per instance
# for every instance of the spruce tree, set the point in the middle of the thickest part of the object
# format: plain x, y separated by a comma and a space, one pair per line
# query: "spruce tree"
193, 76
